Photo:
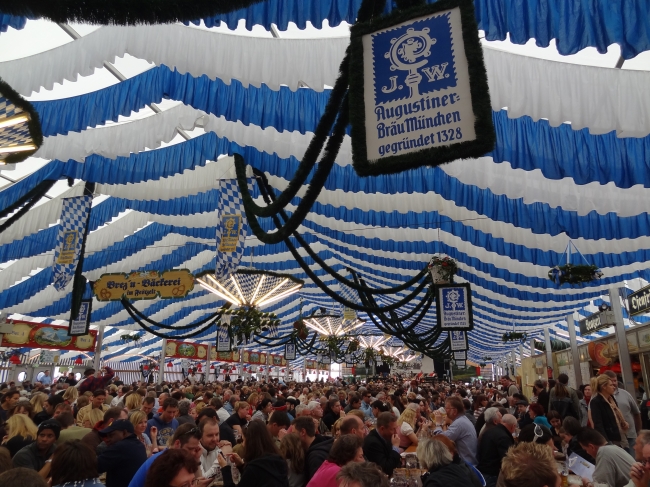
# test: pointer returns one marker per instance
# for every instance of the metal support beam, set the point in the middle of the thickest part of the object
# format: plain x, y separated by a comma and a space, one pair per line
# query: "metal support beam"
621, 338
98, 348
533, 352
162, 364
207, 365
549, 352
577, 372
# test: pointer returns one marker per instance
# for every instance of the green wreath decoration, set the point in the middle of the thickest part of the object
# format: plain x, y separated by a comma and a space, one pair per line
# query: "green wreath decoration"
574, 274
513, 336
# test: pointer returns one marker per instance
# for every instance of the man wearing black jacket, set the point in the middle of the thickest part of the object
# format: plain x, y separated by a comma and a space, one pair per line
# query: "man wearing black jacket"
494, 445
123, 457
317, 447
381, 446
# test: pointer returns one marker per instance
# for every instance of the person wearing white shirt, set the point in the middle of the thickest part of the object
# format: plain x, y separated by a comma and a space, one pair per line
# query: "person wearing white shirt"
211, 446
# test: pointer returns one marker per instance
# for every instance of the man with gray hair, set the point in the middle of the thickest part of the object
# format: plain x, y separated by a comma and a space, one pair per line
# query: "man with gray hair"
316, 412
364, 474
184, 412
494, 443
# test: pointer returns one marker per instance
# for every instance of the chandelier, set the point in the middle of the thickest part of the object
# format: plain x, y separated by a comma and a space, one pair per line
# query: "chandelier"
374, 342
251, 288
20, 134
332, 325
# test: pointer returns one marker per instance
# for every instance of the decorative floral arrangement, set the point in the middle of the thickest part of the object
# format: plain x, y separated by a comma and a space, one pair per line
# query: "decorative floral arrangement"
301, 329
353, 346
574, 273
134, 337
445, 267
487, 359
513, 336
248, 321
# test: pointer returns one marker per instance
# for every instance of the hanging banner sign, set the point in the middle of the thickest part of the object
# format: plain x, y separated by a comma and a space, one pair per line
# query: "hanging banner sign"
216, 356
457, 340
231, 229
454, 307
186, 350
223, 339
597, 321
326, 360
639, 301
74, 215
311, 364
254, 357
278, 360
418, 89
81, 325
49, 357
462, 355
290, 351
172, 284
349, 313
461, 364
38, 335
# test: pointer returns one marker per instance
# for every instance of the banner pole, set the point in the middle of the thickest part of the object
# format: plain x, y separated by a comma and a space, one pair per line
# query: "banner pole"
162, 364
98, 347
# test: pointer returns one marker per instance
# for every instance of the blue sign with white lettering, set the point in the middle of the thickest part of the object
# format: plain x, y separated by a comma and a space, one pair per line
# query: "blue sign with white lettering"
454, 307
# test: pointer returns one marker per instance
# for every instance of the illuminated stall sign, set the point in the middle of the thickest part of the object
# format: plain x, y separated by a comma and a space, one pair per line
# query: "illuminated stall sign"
172, 284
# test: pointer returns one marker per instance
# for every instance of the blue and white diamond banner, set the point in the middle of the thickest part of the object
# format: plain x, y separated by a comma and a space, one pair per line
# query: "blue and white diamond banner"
231, 229
74, 216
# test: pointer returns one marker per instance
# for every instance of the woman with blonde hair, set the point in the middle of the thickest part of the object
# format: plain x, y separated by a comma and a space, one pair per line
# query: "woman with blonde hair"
21, 431
253, 400
37, 402
604, 413
133, 402
71, 395
139, 421
93, 417
406, 426
292, 451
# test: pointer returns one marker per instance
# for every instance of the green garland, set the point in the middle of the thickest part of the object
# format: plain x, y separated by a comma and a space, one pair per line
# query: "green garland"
483, 125
574, 273
556, 345
34, 123
123, 12
248, 320
513, 336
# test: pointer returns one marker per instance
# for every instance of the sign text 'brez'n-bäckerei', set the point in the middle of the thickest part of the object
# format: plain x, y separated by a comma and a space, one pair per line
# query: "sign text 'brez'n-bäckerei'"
172, 284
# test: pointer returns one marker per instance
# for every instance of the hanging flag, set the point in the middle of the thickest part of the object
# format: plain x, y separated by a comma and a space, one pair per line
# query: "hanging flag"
231, 229
223, 337
74, 216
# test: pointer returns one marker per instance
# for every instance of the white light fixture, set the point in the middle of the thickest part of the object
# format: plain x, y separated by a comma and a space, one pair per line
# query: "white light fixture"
251, 287
15, 120
7, 149
332, 325
374, 341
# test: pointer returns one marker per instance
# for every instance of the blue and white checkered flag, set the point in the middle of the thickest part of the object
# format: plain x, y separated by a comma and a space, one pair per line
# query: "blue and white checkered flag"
74, 216
231, 229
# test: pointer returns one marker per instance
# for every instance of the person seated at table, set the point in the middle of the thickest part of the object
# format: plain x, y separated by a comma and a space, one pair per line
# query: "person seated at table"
346, 449
406, 427
477, 477
442, 471
571, 429
529, 465
613, 464
536, 413
535, 433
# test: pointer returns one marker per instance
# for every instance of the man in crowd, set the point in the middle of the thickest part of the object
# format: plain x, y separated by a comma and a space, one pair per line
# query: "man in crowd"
187, 437
494, 444
70, 380
317, 448
211, 446
38, 455
278, 424
124, 455
509, 387
353, 425
225, 411
365, 403
354, 402
46, 380
119, 398
240, 418
165, 422
613, 464
97, 402
148, 405
184, 412
459, 429
92, 382
48, 408
381, 446
365, 474
9, 400
69, 430
529, 465
640, 471
315, 410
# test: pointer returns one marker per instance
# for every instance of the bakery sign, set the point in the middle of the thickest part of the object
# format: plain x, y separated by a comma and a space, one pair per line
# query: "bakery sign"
639, 301
137, 285
418, 89
597, 321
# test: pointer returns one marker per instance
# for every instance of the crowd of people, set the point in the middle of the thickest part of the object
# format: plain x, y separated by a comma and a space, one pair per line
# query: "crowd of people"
101, 431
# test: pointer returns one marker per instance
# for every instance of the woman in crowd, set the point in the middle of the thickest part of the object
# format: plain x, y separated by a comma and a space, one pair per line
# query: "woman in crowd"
262, 463
406, 426
173, 468
571, 427
332, 412
442, 471
535, 433
396, 404
21, 431
604, 413
133, 402
540, 394
82, 401
264, 409
377, 407
71, 395
93, 417
348, 448
479, 405
74, 465
584, 405
564, 399
293, 453
37, 402
536, 413
139, 421
23, 407
253, 401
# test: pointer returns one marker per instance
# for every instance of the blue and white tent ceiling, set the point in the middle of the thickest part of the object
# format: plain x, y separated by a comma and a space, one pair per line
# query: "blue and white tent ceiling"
506, 217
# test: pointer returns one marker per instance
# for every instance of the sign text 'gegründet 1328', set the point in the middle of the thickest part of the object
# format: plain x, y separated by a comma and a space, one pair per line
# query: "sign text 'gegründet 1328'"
418, 89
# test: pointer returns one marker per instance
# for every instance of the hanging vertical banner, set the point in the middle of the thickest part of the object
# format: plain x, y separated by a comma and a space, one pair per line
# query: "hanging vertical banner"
454, 307
81, 325
231, 229
223, 339
418, 89
290, 351
74, 216
457, 340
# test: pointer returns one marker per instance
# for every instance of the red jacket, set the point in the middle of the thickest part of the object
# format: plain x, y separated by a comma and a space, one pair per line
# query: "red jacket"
93, 383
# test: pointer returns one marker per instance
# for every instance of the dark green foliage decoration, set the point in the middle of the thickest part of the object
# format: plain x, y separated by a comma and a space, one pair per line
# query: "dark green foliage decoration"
513, 336
556, 345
